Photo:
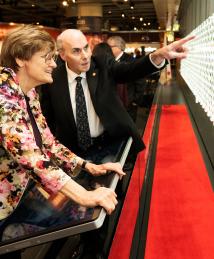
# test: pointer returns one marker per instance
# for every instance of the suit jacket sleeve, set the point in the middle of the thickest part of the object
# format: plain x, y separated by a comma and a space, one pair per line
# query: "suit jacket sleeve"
128, 71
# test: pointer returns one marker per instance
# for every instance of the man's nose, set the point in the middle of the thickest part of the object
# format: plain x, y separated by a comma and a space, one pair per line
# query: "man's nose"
84, 53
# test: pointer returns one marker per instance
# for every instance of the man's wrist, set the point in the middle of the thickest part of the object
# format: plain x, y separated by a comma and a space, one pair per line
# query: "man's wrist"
156, 59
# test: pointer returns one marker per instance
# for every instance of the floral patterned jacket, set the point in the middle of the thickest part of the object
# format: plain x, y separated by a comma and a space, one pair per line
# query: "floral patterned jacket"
20, 157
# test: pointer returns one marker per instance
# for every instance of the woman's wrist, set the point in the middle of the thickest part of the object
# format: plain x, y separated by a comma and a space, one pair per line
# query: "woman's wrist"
82, 163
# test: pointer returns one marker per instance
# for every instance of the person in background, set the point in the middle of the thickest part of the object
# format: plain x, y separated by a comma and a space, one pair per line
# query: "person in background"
27, 147
131, 91
143, 51
101, 49
137, 53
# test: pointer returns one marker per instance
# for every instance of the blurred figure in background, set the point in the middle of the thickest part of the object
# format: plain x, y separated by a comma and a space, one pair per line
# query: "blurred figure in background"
131, 91
143, 52
102, 49
137, 53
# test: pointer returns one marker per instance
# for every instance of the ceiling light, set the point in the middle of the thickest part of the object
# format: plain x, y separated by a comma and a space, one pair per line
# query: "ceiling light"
141, 19
64, 3
123, 15
131, 5
114, 28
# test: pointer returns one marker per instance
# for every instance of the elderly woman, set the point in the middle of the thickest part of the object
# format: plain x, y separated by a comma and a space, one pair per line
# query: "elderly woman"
27, 147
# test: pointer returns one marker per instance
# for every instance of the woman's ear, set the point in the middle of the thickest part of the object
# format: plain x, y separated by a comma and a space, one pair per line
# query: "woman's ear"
20, 62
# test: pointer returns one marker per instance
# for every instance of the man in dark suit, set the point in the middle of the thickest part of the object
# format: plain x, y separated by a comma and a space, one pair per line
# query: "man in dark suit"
132, 91
106, 115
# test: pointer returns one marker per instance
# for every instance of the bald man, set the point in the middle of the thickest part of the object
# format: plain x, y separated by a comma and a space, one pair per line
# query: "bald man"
107, 117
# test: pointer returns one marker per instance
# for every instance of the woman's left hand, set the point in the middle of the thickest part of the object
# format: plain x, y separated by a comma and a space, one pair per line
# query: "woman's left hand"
104, 168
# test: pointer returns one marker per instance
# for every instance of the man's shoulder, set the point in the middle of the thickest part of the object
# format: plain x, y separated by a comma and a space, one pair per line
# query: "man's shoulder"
127, 57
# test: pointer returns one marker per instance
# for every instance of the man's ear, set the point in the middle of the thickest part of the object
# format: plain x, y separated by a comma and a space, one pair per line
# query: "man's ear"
20, 62
62, 55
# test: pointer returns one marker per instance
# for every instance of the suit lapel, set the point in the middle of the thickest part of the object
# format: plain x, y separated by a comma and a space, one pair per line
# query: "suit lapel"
92, 80
62, 85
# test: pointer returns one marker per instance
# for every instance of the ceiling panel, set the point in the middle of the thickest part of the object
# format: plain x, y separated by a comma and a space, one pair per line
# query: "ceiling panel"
52, 13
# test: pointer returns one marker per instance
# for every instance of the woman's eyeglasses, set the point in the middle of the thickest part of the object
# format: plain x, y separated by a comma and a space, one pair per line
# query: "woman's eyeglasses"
49, 57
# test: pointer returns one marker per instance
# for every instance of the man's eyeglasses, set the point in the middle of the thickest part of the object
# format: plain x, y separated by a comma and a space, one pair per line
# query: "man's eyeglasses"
49, 57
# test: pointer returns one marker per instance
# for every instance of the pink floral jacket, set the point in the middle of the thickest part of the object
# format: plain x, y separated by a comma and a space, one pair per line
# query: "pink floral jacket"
20, 157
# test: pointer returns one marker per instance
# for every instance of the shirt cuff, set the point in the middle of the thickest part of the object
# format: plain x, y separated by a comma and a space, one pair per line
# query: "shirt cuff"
157, 66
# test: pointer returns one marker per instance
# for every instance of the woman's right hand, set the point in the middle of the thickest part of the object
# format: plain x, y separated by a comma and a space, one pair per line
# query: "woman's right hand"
102, 196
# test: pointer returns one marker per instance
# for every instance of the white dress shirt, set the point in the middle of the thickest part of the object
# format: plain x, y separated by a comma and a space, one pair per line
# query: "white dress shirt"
119, 56
95, 125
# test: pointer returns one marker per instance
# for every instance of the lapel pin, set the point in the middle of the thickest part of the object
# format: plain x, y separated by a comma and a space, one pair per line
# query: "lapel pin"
94, 74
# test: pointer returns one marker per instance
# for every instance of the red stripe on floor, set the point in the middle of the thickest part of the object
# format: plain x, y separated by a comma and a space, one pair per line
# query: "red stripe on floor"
181, 222
122, 241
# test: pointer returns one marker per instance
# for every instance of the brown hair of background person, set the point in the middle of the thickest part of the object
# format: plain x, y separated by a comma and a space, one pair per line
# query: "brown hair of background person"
102, 48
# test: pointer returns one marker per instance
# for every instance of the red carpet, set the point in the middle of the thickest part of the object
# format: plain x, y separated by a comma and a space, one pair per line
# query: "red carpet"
121, 244
181, 222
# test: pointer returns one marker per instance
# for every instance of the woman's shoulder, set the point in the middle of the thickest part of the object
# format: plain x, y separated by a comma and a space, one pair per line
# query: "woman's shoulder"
9, 85
6, 73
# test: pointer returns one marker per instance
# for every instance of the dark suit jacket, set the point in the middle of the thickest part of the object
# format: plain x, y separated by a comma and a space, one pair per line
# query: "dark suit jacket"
135, 89
126, 58
102, 78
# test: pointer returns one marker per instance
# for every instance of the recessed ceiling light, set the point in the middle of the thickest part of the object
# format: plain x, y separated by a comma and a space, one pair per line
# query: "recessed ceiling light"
64, 3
